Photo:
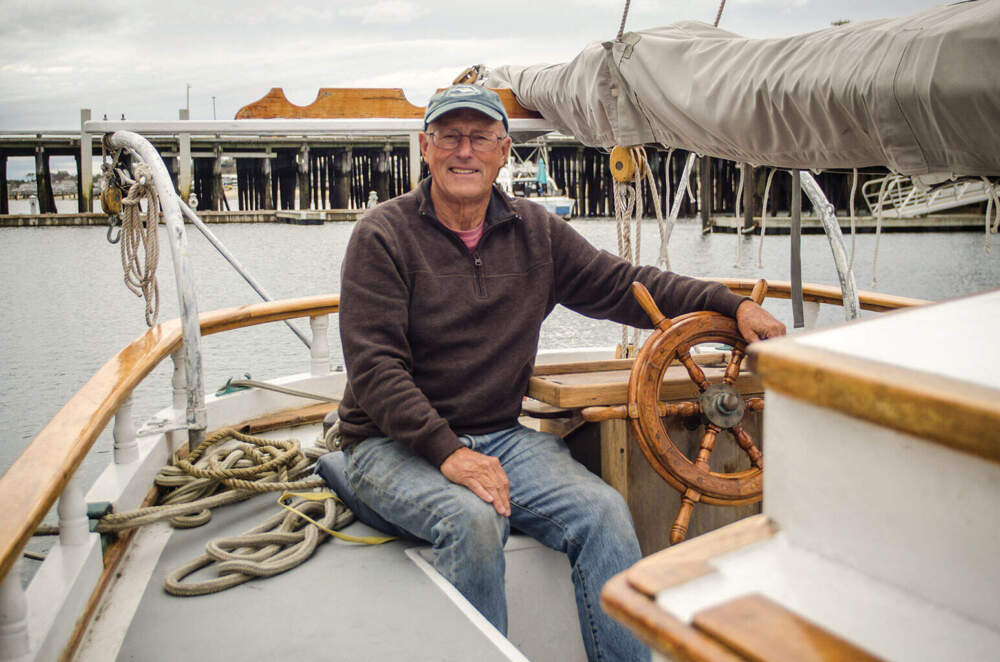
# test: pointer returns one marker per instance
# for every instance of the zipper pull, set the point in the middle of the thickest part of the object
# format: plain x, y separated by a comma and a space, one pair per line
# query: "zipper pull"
478, 261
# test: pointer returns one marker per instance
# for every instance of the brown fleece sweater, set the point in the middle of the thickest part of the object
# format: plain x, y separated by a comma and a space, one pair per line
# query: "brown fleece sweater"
440, 341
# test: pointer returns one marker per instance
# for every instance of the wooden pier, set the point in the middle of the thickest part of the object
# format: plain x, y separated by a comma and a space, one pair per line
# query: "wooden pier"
327, 172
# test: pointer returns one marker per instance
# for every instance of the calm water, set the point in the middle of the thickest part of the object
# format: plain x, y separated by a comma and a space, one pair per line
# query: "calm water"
64, 309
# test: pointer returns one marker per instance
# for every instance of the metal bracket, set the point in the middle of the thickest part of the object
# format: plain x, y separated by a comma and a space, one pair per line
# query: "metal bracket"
157, 425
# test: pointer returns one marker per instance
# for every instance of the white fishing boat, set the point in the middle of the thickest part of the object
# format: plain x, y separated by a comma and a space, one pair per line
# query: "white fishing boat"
529, 179
879, 496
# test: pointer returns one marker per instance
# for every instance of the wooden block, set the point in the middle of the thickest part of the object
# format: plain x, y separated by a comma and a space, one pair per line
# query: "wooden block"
760, 629
610, 387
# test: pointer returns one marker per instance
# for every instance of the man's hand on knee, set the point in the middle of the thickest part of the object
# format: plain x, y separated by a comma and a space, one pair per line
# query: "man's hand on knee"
482, 474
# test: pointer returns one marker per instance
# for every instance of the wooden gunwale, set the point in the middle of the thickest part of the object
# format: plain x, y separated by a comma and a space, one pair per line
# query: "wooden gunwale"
829, 294
39, 475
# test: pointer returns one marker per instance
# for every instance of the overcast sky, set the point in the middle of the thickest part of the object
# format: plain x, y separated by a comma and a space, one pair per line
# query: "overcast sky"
136, 58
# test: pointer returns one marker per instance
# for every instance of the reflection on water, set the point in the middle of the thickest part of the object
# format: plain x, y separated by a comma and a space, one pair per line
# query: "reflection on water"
64, 310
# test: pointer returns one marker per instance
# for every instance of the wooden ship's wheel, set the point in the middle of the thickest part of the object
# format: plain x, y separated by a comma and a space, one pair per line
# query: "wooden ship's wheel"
720, 405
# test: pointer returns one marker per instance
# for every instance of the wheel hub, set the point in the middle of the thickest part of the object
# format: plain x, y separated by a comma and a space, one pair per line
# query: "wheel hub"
722, 405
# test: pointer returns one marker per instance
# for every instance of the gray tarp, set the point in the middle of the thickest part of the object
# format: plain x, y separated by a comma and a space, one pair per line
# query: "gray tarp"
919, 94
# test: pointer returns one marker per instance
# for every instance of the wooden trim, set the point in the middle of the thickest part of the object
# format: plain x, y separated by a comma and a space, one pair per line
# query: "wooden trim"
762, 630
582, 366
630, 596
33, 483
955, 414
828, 294
612, 387
687, 560
288, 418
658, 629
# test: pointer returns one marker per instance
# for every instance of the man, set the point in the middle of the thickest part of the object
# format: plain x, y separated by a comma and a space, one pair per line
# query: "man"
443, 294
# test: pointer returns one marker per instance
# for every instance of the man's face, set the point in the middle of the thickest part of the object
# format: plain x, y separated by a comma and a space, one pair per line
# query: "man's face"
464, 175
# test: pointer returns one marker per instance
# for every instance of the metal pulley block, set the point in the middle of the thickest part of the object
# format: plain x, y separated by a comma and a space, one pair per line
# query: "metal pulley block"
111, 199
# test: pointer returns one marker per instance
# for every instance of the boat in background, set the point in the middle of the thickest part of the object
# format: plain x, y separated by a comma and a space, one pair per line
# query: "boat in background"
527, 178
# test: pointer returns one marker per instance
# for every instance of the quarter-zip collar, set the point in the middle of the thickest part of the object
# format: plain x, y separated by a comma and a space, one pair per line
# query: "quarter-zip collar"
499, 210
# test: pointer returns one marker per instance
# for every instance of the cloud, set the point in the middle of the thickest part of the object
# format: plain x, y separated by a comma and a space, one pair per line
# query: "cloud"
387, 12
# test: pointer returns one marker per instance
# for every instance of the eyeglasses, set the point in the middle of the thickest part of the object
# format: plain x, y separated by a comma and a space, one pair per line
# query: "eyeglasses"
480, 142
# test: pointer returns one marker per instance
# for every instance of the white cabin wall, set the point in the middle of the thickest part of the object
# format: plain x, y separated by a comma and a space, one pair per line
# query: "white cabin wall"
896, 507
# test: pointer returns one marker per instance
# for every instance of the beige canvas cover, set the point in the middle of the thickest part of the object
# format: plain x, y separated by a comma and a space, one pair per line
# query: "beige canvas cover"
919, 94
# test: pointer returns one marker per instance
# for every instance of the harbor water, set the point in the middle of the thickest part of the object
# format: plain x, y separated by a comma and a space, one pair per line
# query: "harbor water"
64, 309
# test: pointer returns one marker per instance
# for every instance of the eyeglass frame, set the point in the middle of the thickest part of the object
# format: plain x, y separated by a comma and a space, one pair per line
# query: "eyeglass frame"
496, 141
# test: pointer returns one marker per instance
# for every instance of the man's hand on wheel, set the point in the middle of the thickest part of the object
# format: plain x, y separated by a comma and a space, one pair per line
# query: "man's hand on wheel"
482, 474
755, 323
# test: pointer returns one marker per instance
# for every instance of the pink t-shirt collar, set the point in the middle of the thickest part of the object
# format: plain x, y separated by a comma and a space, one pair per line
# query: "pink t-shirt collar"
470, 237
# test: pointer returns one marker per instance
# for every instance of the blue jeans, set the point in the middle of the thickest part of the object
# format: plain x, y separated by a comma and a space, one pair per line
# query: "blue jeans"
553, 498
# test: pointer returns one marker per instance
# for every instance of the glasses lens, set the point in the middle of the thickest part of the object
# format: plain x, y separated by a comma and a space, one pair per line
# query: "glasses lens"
447, 140
481, 142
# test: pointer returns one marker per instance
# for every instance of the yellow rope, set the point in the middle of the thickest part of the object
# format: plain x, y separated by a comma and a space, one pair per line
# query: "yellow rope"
323, 495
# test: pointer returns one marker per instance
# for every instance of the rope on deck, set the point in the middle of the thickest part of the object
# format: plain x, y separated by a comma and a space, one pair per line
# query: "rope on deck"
244, 464
280, 543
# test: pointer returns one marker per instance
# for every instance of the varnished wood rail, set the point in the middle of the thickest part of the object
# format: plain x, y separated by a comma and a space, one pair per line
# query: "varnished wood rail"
38, 476
828, 294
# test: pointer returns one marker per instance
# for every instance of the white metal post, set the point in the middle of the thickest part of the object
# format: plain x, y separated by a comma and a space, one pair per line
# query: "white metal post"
320, 348
197, 416
184, 177
179, 383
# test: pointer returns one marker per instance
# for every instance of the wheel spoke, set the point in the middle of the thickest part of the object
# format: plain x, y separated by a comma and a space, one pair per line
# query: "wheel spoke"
733, 367
746, 443
679, 530
680, 409
694, 370
707, 445
755, 404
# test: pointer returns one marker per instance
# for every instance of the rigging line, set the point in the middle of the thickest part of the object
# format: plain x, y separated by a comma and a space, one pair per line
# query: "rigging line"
854, 238
718, 15
664, 259
992, 207
621, 28
884, 195
763, 218
738, 221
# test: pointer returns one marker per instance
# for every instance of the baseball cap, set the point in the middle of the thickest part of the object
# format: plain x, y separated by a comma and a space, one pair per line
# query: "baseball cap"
476, 97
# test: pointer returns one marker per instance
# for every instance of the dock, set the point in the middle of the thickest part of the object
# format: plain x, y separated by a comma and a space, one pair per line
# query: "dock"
781, 225
258, 216
285, 166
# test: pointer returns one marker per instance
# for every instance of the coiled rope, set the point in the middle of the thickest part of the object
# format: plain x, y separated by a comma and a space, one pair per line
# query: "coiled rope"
198, 483
139, 237
247, 466
280, 543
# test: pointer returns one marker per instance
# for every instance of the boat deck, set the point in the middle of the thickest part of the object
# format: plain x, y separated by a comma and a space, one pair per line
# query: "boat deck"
348, 601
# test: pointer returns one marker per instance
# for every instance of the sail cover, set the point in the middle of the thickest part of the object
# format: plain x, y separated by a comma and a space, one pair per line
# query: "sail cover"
919, 94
